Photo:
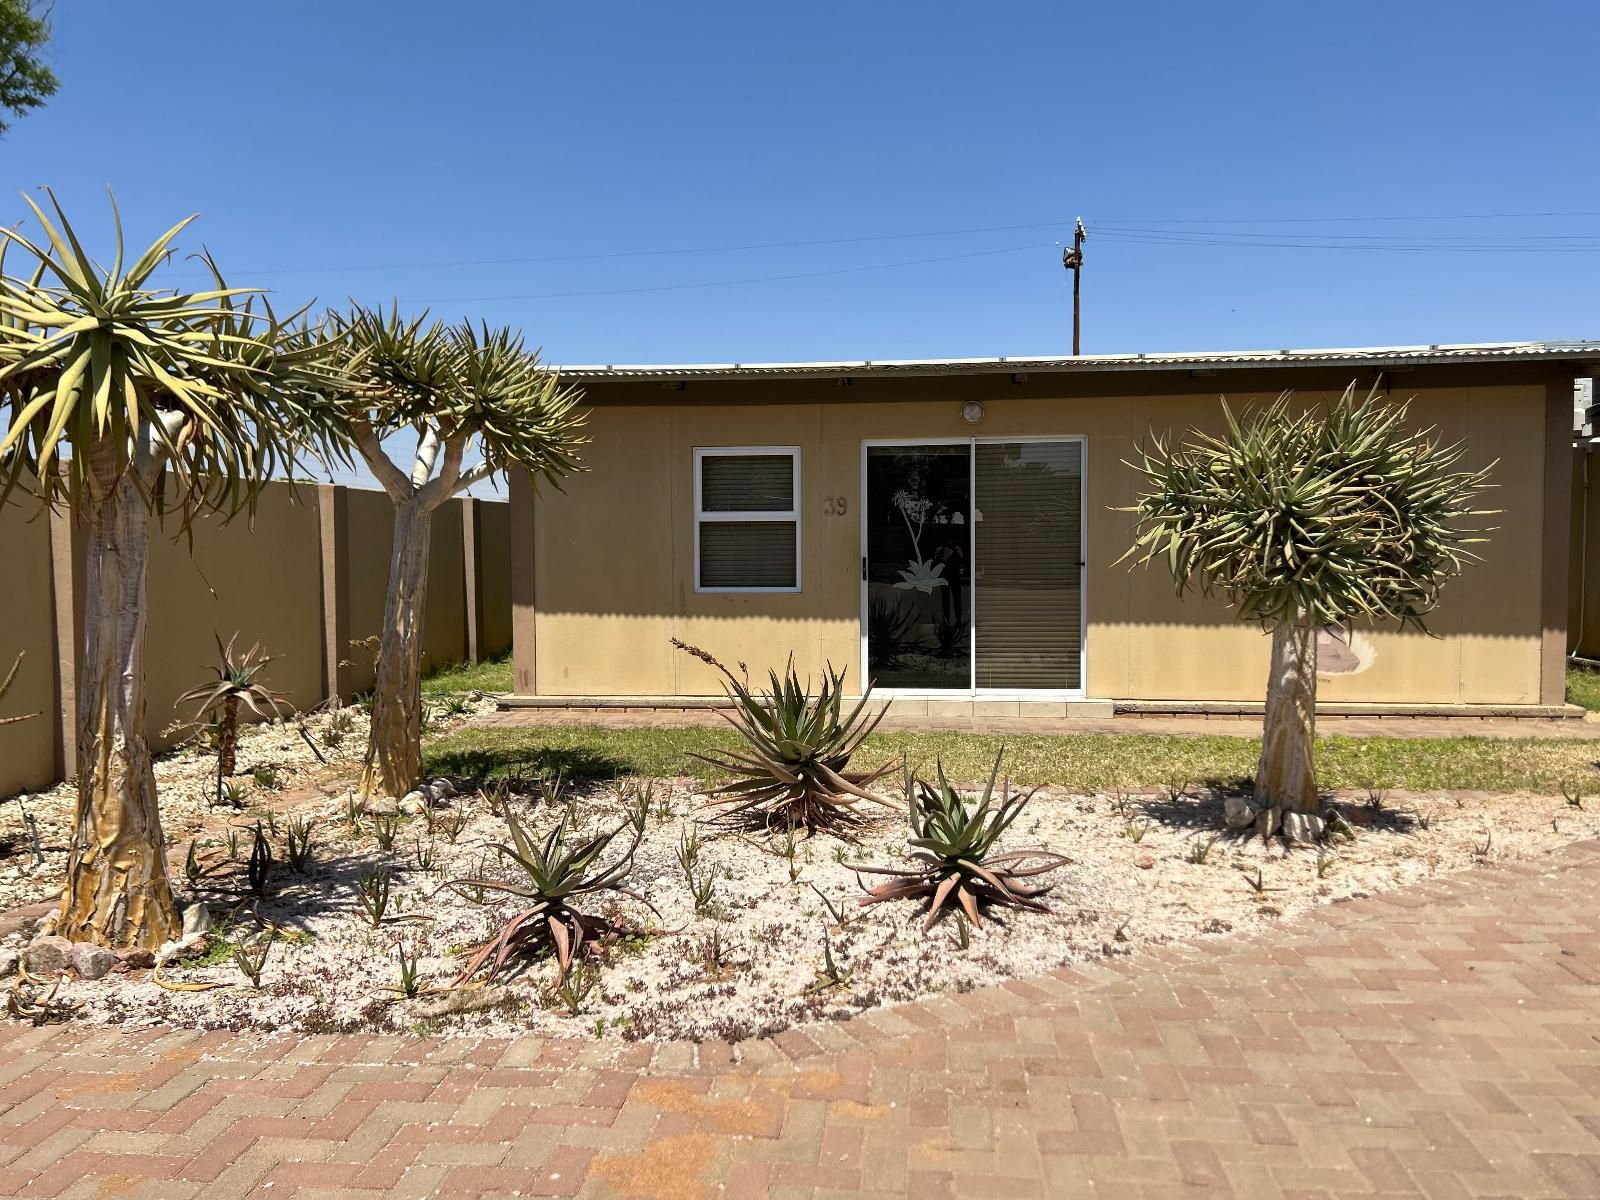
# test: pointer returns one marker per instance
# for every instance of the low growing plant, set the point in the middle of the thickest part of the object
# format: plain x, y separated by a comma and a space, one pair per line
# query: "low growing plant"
831, 974
250, 955
952, 843
259, 868
793, 770
373, 889
385, 827
298, 847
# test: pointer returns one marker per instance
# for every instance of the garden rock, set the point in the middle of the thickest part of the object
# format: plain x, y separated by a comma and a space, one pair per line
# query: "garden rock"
1238, 812
190, 946
137, 959
459, 1000
196, 919
91, 961
1302, 828
10, 960
413, 804
48, 955
441, 790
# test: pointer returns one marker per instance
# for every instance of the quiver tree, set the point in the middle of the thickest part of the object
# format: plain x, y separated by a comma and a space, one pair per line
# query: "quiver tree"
170, 402
459, 390
1305, 520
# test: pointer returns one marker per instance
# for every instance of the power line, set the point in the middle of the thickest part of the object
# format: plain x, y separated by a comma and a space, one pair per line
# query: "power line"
591, 256
1235, 240
742, 247
716, 283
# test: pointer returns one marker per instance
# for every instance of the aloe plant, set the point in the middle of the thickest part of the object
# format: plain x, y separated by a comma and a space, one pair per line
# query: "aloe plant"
236, 684
552, 875
1304, 520
793, 770
953, 842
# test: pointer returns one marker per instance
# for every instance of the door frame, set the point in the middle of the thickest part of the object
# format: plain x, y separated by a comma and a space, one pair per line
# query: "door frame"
974, 692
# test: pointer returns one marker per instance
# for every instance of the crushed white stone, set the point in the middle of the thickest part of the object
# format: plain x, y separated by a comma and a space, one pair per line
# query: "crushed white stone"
330, 970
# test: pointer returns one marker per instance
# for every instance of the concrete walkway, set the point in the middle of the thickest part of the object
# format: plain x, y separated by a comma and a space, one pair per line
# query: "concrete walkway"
1217, 726
1439, 1042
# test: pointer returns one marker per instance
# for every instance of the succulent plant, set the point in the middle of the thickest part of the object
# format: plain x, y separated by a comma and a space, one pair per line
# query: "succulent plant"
555, 873
234, 685
952, 845
793, 770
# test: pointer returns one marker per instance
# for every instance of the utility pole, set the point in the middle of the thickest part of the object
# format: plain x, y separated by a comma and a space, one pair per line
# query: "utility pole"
1072, 260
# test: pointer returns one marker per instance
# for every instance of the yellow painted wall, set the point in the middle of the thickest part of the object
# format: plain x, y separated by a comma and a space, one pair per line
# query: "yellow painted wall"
27, 626
613, 554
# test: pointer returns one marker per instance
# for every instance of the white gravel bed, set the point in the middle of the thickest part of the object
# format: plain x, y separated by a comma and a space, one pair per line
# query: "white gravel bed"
186, 784
748, 967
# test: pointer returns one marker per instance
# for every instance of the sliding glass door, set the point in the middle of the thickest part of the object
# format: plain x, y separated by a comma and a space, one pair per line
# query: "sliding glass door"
972, 571
917, 548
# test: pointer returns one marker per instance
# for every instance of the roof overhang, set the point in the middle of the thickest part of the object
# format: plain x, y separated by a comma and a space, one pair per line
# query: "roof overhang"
1577, 353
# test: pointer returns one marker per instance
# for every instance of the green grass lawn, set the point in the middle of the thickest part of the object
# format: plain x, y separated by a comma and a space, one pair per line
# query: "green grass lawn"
492, 675
1583, 687
1084, 761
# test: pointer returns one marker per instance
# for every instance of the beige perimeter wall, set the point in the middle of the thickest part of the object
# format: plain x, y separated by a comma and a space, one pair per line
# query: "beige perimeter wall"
611, 561
262, 579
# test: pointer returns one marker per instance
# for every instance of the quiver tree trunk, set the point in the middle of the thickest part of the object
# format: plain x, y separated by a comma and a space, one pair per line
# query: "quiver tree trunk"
394, 747
1286, 782
116, 889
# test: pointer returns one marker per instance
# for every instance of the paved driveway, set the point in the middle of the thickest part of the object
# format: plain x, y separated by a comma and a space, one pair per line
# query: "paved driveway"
1438, 1042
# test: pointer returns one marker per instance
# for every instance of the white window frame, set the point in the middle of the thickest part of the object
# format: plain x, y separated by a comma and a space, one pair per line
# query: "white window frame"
791, 516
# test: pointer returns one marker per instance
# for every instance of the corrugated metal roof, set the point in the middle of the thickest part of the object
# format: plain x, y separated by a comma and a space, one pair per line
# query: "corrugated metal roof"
1557, 351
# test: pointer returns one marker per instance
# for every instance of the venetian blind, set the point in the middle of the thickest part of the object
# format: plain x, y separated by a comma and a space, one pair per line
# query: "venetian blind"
1027, 596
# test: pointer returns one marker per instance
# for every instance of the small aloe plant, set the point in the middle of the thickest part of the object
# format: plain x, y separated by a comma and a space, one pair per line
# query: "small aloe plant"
793, 771
236, 684
952, 845
555, 873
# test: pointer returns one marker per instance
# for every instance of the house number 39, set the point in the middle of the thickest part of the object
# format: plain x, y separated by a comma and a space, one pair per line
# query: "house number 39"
835, 506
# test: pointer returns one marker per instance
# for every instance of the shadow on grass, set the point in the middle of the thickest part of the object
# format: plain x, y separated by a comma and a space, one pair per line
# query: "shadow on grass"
525, 765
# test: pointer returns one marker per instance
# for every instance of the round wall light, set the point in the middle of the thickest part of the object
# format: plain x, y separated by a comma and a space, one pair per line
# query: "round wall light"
972, 412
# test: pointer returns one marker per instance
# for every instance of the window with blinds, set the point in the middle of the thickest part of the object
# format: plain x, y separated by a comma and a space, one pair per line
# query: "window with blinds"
747, 519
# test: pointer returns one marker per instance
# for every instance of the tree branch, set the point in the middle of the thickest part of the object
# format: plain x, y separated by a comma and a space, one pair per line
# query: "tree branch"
389, 475
475, 476
448, 481
427, 455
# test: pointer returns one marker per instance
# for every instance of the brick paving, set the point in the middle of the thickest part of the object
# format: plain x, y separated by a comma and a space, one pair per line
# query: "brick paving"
1438, 1042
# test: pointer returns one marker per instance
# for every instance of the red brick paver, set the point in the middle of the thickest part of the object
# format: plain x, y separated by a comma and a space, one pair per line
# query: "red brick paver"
1440, 1043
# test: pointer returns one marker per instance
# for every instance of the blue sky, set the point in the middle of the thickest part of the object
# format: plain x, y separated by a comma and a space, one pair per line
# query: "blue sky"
401, 149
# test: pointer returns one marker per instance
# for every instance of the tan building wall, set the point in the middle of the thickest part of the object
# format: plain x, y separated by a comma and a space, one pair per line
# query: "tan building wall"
612, 556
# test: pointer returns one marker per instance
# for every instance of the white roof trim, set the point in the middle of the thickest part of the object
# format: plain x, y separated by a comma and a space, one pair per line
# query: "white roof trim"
1480, 352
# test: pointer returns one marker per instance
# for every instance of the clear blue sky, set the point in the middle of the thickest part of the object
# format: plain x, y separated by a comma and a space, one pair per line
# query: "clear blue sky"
332, 147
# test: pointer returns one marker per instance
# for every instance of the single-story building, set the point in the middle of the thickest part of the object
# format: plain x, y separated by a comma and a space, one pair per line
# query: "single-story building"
951, 529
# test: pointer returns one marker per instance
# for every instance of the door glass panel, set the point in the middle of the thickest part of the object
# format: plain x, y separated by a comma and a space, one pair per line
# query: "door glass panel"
1027, 546
919, 594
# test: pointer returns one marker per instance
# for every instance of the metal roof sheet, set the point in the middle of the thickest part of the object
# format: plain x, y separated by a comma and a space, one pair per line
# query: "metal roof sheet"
1485, 352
